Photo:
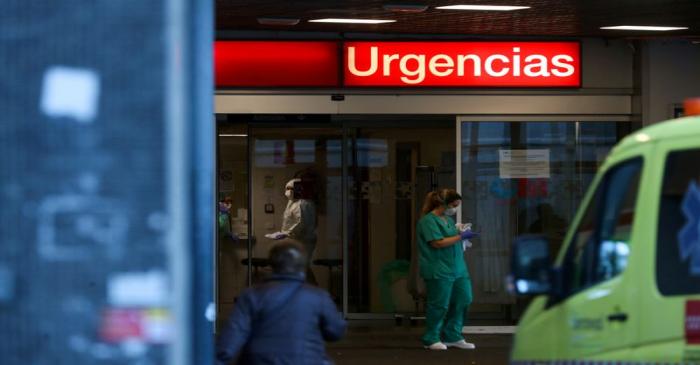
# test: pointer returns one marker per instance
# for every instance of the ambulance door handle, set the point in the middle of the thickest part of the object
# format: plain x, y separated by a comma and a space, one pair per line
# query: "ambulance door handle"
618, 317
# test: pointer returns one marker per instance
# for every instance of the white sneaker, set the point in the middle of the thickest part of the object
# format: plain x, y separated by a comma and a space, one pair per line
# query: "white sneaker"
461, 344
437, 346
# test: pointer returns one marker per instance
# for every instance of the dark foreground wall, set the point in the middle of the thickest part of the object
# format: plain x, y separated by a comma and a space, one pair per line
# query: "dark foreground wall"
105, 182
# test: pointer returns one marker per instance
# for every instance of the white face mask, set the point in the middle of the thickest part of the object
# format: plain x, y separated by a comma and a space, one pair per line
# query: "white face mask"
289, 194
451, 211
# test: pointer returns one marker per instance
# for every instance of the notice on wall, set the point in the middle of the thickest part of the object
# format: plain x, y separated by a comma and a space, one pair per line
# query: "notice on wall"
527, 164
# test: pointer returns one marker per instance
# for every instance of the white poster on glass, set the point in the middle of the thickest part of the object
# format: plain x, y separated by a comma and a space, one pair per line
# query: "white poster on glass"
523, 164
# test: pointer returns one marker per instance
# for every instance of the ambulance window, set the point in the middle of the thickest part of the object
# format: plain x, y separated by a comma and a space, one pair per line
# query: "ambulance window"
600, 247
678, 231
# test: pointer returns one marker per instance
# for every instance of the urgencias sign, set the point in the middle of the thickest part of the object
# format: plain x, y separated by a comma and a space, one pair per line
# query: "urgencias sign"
397, 64
462, 64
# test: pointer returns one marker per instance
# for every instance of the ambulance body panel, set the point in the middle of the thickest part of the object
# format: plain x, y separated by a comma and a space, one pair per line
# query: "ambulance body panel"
625, 286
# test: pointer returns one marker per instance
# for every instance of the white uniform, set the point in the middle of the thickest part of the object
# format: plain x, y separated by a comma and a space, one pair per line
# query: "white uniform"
299, 221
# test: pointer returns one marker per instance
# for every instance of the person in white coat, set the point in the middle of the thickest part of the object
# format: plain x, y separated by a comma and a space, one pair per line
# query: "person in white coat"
299, 223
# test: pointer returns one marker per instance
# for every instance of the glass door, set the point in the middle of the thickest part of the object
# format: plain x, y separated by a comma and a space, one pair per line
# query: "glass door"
231, 214
258, 158
389, 162
363, 179
306, 161
524, 177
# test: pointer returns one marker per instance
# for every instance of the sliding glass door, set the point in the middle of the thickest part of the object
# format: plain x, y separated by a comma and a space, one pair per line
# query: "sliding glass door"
524, 177
364, 179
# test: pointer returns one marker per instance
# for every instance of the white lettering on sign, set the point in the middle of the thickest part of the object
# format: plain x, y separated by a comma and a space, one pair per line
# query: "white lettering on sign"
560, 62
494, 65
489, 65
413, 67
353, 69
444, 62
476, 64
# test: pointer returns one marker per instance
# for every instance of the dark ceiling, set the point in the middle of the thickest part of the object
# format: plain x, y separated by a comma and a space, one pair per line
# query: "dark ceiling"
559, 18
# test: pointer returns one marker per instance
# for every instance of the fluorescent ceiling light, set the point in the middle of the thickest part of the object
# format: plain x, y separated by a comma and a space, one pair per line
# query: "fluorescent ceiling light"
351, 21
233, 135
483, 7
643, 27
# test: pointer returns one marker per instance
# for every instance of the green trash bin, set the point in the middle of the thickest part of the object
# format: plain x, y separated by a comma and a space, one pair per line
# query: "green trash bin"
390, 273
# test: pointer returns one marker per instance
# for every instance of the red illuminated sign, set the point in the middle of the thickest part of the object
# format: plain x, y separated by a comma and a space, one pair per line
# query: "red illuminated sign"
462, 64
276, 64
397, 64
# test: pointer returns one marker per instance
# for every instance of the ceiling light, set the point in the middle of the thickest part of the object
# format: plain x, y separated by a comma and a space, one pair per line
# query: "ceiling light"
351, 21
233, 135
483, 7
406, 8
643, 27
278, 21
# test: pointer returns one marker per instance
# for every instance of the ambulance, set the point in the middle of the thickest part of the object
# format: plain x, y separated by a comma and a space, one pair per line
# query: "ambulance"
625, 286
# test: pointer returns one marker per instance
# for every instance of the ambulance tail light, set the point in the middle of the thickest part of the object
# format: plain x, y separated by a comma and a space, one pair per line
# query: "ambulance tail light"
691, 106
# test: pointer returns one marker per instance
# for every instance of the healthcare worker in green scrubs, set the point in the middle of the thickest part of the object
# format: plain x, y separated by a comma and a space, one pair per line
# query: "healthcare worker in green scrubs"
442, 266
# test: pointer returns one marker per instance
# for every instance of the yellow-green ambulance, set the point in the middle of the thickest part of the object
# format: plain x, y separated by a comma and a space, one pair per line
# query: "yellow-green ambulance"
625, 287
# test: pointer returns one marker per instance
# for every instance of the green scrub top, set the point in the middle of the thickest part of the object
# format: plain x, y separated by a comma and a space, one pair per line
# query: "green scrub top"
439, 263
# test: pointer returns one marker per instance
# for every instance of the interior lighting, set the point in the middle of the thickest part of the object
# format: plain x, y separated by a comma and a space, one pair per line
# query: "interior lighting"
482, 7
233, 135
643, 28
352, 21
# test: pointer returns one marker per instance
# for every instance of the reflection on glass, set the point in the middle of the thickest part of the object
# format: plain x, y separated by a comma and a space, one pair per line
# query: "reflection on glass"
538, 194
270, 153
334, 152
387, 170
372, 152
612, 259
232, 215
304, 151
279, 153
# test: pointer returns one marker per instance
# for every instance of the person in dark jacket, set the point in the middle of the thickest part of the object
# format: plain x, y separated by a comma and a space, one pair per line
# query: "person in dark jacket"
282, 321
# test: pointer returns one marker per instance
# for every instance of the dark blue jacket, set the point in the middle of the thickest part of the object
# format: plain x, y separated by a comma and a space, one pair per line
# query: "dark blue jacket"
282, 321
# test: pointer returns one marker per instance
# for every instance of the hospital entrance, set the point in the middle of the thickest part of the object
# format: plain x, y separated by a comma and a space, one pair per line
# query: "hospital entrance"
363, 179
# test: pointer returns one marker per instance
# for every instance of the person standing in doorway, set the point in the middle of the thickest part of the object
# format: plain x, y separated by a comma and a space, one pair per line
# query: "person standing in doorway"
442, 266
299, 223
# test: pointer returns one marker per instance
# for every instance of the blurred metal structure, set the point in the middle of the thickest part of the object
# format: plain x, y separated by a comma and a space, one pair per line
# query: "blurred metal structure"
106, 182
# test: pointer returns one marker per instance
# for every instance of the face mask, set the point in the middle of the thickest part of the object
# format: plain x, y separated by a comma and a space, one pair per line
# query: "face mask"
289, 194
451, 211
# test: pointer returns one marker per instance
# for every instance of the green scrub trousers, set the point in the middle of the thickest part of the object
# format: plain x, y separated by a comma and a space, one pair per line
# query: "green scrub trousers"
447, 304
448, 286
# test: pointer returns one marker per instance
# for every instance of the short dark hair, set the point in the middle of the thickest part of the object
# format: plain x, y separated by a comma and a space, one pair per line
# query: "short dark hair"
288, 258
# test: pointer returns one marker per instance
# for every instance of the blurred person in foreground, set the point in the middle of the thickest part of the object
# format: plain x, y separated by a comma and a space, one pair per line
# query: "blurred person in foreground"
282, 321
